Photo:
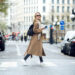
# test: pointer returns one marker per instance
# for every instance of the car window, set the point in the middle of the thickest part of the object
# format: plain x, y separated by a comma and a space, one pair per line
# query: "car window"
73, 38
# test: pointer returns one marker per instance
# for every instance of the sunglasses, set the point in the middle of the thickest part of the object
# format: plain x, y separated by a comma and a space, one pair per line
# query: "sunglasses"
38, 15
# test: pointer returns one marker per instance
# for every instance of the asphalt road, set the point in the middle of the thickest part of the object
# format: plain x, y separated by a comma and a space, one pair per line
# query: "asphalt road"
55, 63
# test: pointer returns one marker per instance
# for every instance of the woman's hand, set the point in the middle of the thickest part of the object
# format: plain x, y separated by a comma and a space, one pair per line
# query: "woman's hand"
43, 28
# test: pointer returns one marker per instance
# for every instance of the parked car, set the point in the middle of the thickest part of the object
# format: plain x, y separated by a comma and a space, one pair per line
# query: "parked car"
2, 43
68, 45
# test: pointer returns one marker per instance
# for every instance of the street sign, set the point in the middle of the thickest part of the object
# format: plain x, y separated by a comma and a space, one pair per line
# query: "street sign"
62, 23
62, 27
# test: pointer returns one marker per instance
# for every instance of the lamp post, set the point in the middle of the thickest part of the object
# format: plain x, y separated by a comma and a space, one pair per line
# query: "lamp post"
73, 13
72, 16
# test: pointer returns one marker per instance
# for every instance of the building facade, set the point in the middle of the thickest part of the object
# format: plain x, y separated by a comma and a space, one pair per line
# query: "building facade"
22, 13
33, 6
61, 10
16, 16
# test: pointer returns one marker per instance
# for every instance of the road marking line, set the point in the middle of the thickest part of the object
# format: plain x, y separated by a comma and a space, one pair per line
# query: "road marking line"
2, 69
8, 64
18, 50
44, 63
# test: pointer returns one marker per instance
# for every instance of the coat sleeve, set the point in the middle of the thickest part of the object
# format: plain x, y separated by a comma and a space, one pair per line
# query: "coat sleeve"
36, 28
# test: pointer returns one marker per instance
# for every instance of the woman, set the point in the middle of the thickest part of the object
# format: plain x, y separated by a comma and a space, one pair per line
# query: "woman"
35, 46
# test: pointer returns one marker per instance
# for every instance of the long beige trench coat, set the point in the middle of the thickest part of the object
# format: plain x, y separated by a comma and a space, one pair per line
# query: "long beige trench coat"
35, 47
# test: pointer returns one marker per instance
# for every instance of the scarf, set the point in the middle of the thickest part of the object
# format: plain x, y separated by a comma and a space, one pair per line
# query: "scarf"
39, 35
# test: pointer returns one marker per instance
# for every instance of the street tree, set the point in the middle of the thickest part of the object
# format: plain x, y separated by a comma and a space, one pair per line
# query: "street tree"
3, 13
3, 26
4, 6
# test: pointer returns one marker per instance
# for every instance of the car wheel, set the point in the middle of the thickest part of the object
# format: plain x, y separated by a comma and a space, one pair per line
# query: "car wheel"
3, 48
69, 52
64, 50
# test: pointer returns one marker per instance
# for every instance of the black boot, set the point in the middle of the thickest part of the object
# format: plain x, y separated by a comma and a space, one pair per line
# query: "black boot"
41, 59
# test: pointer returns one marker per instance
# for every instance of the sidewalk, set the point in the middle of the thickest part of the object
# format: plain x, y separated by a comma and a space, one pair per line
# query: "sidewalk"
58, 45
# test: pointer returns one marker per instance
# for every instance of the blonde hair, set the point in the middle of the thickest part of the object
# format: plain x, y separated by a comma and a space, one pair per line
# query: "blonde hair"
36, 13
35, 16
35, 21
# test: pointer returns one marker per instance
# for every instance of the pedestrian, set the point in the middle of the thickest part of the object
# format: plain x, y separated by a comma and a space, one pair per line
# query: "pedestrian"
21, 37
35, 46
13, 36
25, 36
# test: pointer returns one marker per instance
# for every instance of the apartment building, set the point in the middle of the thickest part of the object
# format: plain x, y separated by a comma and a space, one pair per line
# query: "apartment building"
62, 10
23, 11
16, 16
32, 6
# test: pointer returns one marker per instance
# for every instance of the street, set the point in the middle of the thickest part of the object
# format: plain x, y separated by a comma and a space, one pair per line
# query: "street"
55, 63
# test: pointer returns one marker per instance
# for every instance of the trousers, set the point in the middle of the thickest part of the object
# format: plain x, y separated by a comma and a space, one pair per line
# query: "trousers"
26, 57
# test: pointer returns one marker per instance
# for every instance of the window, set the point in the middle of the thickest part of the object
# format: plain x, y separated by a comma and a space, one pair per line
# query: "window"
44, 1
24, 18
29, 18
58, 18
57, 1
73, 1
68, 1
44, 9
43, 18
24, 2
62, 1
68, 26
63, 9
52, 8
62, 17
52, 1
68, 19
24, 10
57, 8
52, 18
73, 27
11, 17
68, 9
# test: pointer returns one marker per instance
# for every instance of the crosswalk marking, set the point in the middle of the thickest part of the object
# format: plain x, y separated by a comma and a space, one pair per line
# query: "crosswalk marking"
3, 69
48, 64
12, 64
8, 64
18, 50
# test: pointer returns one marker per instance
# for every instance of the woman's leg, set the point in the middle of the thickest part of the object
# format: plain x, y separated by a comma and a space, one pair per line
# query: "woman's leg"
41, 59
26, 57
